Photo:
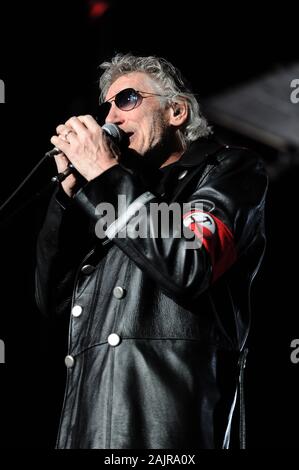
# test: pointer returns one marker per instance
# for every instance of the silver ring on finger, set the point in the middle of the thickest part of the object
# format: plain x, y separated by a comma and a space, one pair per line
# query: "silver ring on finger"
66, 134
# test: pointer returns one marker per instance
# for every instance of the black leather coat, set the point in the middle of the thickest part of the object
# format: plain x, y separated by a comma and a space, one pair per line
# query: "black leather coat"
179, 317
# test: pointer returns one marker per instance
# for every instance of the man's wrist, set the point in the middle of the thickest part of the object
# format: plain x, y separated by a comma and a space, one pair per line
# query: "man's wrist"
102, 170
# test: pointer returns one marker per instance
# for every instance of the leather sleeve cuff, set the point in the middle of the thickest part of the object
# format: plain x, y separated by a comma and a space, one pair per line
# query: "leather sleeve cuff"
63, 199
116, 186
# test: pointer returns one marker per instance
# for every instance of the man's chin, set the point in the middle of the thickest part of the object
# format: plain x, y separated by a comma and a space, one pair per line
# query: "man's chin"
135, 149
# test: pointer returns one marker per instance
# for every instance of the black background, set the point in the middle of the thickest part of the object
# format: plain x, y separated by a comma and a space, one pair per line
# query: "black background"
48, 60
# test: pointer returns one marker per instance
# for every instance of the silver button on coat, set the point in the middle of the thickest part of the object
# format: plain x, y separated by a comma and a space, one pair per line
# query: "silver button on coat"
114, 339
77, 310
69, 361
118, 292
182, 174
87, 269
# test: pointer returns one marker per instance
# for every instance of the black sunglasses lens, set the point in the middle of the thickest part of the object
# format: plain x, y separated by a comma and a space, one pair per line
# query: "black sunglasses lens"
126, 99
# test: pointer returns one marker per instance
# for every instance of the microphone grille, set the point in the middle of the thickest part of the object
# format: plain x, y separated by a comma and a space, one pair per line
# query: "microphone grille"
113, 131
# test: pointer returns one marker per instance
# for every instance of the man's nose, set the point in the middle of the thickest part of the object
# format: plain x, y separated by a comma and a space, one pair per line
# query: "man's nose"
115, 115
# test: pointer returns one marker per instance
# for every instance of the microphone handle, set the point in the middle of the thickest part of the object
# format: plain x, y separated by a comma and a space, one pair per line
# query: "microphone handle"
53, 152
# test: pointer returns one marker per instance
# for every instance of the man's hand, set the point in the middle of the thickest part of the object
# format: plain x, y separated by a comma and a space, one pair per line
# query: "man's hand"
83, 143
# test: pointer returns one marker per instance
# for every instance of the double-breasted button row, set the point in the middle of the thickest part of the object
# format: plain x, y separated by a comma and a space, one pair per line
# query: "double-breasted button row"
113, 340
118, 293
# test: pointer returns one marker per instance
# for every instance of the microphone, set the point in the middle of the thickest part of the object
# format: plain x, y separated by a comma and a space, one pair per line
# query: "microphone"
117, 135
112, 130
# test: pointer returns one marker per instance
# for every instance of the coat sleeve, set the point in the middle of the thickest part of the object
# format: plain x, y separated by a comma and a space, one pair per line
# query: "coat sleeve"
211, 228
61, 245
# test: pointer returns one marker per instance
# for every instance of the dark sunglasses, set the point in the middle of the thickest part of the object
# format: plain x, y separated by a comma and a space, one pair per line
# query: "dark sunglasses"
128, 99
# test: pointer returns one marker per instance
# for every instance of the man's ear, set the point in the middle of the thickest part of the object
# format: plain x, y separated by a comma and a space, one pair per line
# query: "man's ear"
178, 113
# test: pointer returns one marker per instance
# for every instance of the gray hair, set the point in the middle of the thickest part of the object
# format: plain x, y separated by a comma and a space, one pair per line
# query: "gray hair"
170, 81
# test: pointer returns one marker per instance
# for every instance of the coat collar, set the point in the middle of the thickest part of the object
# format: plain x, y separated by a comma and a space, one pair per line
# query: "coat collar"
198, 151
194, 157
